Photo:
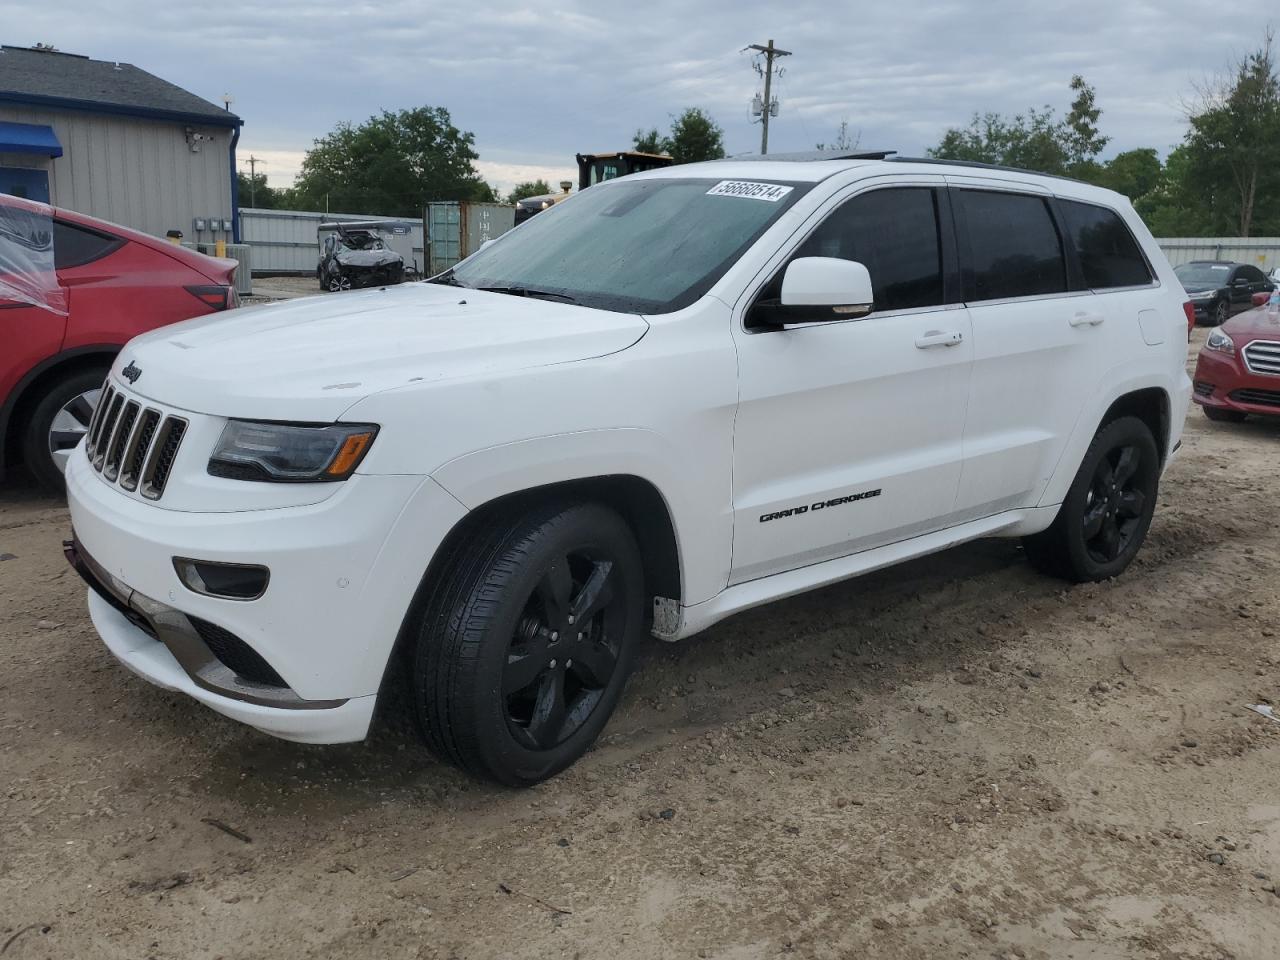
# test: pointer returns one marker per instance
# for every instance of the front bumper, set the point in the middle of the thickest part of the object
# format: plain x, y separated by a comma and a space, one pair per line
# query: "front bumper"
1223, 383
343, 574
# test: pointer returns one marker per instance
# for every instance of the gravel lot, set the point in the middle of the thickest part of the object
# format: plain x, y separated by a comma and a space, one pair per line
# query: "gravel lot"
954, 758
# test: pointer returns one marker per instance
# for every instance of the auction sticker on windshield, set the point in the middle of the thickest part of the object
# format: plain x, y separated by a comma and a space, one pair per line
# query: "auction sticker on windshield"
772, 192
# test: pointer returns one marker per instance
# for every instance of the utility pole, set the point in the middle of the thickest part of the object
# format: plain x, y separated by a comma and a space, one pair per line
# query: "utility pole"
771, 53
253, 162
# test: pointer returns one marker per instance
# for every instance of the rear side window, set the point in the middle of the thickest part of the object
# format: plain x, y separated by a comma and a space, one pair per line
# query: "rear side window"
894, 234
1014, 247
75, 246
1109, 255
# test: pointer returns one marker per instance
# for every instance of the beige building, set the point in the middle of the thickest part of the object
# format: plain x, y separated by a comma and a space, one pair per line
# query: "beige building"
116, 142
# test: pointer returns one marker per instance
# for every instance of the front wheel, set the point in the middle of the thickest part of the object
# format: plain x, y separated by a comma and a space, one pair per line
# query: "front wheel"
1107, 511
1221, 313
59, 422
526, 640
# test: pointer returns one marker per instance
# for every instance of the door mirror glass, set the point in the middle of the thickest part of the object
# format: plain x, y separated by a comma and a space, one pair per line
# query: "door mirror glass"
817, 290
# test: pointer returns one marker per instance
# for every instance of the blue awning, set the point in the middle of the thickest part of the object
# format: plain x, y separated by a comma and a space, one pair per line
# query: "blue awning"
29, 138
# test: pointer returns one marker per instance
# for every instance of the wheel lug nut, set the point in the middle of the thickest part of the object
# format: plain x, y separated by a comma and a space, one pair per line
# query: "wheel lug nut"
582, 636
553, 664
571, 619
568, 664
554, 636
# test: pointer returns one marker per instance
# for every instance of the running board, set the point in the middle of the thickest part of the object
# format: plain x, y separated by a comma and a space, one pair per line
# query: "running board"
754, 593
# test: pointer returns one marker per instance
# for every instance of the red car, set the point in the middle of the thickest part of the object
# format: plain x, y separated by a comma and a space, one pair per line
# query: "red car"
1238, 370
107, 284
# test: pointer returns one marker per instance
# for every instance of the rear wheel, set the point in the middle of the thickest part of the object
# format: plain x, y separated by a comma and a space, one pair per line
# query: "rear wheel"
1224, 416
525, 644
1104, 519
59, 422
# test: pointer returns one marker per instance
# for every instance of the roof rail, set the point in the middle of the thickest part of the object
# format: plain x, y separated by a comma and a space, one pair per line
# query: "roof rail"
984, 166
809, 155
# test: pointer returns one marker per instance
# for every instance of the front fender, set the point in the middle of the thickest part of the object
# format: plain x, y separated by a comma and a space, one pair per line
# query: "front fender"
703, 524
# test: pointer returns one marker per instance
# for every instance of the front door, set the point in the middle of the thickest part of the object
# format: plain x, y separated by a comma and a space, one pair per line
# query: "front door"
848, 433
26, 183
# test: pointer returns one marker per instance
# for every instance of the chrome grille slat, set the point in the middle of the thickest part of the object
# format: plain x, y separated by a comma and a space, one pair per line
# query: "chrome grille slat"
124, 430
139, 446
95, 422
132, 444
108, 431
155, 475
1263, 356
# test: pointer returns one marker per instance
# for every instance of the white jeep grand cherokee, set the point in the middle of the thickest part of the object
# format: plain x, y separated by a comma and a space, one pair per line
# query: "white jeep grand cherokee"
679, 395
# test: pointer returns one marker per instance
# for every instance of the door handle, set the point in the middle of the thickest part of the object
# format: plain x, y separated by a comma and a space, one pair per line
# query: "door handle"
939, 338
1083, 319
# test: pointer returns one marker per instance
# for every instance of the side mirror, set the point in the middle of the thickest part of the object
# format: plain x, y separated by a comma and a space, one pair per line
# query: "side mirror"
818, 290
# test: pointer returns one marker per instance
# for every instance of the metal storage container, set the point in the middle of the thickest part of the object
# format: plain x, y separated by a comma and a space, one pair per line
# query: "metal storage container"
457, 228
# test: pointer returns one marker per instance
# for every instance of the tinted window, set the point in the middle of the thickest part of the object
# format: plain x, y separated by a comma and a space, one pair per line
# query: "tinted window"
75, 246
1109, 255
1252, 274
1014, 248
894, 234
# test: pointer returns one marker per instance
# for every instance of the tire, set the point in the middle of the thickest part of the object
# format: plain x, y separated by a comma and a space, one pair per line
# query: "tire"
1221, 313
1114, 496
59, 420
1224, 416
494, 685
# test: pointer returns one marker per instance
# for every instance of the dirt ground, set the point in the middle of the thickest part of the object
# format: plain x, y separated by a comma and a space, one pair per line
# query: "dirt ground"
953, 758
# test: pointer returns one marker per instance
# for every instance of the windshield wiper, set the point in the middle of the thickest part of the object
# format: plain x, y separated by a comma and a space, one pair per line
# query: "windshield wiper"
531, 292
448, 279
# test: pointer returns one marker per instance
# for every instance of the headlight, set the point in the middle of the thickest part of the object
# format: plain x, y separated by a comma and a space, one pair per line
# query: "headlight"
1202, 295
1219, 342
290, 452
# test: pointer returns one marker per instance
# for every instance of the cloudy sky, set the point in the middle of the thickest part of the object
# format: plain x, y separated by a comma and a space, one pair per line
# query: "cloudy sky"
537, 84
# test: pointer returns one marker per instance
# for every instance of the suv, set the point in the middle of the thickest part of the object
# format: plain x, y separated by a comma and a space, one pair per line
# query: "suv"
672, 397
1219, 288
73, 291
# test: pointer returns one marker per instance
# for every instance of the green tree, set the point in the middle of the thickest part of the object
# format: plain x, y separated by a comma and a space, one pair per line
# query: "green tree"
1035, 140
650, 142
391, 165
254, 192
1233, 147
843, 140
535, 189
694, 136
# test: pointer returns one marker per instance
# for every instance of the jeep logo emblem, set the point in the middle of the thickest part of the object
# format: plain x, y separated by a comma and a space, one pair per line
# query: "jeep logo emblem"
131, 372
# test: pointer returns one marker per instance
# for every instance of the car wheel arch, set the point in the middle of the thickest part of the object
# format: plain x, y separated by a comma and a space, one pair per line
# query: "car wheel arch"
639, 501
20, 403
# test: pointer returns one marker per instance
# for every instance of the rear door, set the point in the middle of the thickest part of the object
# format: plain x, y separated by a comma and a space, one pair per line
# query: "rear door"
1041, 341
848, 433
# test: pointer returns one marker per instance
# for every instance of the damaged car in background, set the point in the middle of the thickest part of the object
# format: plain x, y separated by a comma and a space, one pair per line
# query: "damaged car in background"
357, 254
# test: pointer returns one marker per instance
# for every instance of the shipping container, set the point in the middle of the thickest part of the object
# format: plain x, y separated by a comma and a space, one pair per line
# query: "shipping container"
456, 229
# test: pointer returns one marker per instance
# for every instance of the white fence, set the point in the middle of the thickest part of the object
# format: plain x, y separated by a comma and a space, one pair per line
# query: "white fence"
1262, 252
284, 241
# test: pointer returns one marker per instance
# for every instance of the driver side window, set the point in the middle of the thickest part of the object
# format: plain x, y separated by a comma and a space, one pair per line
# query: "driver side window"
893, 233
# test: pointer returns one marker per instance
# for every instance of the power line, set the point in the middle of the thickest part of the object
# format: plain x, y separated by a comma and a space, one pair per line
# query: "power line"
768, 107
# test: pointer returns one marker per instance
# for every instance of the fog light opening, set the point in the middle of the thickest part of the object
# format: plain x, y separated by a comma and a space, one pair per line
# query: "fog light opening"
226, 581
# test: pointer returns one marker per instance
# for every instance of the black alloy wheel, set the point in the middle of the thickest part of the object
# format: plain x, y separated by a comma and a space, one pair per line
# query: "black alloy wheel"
1221, 313
1114, 505
1104, 517
564, 652
525, 639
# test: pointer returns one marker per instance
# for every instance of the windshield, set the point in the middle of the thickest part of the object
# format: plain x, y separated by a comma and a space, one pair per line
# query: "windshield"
1203, 273
634, 246
362, 241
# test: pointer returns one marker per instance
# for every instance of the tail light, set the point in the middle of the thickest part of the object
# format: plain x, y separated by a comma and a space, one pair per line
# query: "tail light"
217, 296
1190, 311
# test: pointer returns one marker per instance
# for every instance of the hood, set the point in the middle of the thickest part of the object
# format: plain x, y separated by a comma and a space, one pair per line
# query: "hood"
311, 359
367, 258
1255, 324
1201, 287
